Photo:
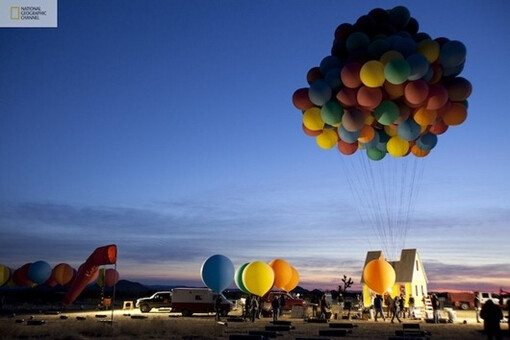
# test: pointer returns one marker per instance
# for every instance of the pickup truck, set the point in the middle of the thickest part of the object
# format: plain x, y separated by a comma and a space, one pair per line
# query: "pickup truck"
157, 300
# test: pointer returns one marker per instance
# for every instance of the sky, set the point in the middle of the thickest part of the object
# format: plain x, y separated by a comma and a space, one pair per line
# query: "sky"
168, 129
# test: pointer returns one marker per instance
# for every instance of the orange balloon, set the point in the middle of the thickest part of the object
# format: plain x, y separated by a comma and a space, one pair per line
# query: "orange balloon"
419, 152
454, 114
63, 273
394, 91
294, 280
282, 272
366, 134
379, 275
425, 117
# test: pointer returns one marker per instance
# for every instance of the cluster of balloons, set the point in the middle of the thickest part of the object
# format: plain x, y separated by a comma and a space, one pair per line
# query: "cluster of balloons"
386, 88
255, 277
379, 275
40, 272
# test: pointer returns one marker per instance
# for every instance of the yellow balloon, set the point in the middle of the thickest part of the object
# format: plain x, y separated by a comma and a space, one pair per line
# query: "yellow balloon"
372, 73
429, 49
327, 139
294, 280
397, 147
312, 119
5, 274
258, 278
391, 130
379, 275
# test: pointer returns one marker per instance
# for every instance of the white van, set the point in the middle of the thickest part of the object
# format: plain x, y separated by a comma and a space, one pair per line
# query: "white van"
197, 300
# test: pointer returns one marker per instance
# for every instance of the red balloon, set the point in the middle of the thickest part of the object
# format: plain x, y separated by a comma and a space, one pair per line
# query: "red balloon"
438, 128
20, 276
347, 97
369, 97
311, 133
350, 75
111, 277
301, 100
459, 89
313, 74
437, 98
416, 92
347, 148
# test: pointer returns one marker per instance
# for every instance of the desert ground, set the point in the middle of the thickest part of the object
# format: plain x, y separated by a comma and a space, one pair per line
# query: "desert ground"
160, 324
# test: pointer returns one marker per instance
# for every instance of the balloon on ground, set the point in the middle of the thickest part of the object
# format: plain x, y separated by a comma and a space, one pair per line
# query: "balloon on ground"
217, 272
379, 275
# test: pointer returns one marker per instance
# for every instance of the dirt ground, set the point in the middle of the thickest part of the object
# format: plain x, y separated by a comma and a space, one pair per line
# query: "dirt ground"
131, 324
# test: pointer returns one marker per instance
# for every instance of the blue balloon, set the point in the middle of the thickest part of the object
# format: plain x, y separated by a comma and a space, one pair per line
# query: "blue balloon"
419, 66
319, 92
452, 54
217, 272
328, 63
427, 141
347, 136
39, 272
409, 130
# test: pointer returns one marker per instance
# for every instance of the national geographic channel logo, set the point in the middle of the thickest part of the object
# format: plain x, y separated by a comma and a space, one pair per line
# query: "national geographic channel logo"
28, 13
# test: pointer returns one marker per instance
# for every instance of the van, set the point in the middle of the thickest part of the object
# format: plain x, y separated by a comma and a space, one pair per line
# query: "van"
188, 301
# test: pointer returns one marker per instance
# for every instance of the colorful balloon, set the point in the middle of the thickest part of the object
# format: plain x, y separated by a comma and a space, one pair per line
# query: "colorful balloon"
5, 274
39, 272
379, 275
238, 278
258, 278
217, 272
380, 70
111, 277
63, 273
282, 272
294, 280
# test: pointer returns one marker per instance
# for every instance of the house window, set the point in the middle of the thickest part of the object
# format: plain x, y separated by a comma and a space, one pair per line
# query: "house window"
416, 289
417, 266
198, 297
422, 291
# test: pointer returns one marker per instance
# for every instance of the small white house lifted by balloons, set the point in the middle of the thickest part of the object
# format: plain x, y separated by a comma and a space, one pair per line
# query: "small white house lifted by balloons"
257, 277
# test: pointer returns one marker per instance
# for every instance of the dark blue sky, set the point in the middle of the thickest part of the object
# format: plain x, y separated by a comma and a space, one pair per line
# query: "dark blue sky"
167, 127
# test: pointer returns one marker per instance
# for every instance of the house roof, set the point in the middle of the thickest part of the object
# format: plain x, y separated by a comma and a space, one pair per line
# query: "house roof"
404, 268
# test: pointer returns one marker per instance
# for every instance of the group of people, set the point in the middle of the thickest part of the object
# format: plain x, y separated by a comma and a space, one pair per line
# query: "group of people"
395, 307
253, 307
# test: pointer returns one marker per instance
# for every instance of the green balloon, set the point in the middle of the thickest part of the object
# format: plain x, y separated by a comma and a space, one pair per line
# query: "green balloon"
331, 113
397, 71
386, 113
375, 154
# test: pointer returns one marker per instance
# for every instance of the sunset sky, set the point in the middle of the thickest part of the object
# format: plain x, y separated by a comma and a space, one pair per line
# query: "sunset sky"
167, 128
